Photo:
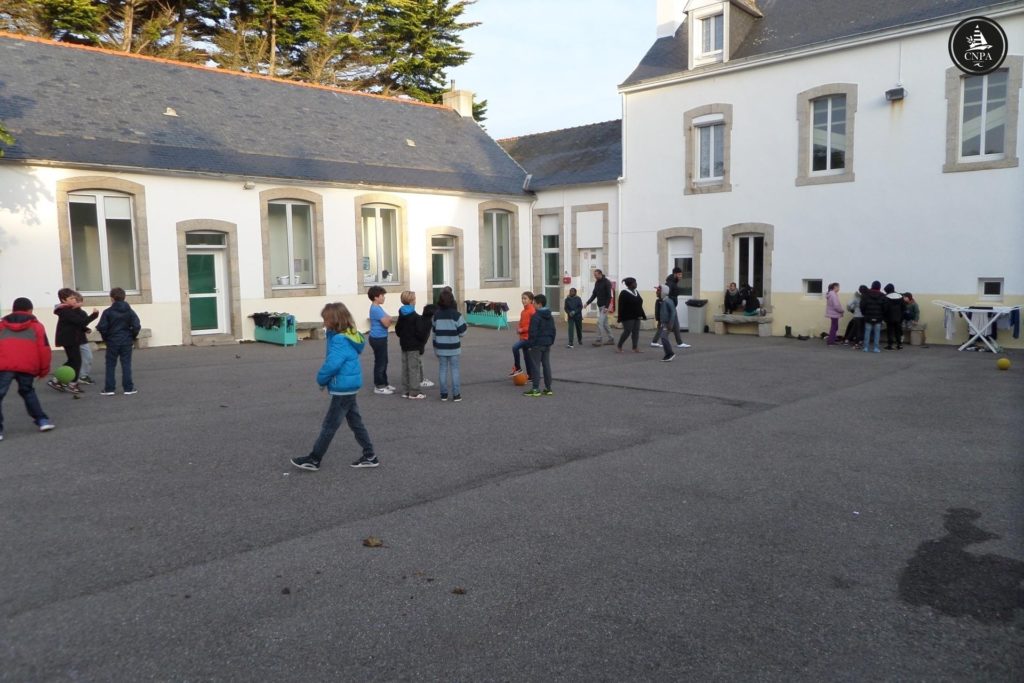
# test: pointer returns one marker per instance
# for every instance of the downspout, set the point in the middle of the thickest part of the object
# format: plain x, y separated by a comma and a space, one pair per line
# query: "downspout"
618, 189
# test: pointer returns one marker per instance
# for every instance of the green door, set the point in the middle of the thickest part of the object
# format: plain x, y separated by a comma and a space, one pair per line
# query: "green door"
202, 292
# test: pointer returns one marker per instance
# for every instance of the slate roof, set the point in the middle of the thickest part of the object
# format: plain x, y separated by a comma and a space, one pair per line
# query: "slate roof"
792, 24
573, 156
92, 107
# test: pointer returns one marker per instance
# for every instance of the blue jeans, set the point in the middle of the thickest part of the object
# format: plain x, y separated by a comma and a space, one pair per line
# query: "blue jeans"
525, 345
444, 363
122, 352
871, 330
380, 361
341, 408
27, 392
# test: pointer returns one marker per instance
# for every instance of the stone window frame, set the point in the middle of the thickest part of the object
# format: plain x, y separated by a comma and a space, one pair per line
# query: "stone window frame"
496, 283
403, 241
317, 202
694, 186
1014, 64
804, 104
729, 235
137, 192
230, 230
697, 235
460, 264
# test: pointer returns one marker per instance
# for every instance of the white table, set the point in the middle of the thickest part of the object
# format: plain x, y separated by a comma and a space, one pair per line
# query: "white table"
975, 326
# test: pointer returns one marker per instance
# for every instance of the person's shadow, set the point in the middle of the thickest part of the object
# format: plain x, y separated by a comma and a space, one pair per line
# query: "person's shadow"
944, 576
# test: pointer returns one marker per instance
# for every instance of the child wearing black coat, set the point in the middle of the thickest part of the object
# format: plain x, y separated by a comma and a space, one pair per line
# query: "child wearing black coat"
72, 326
412, 338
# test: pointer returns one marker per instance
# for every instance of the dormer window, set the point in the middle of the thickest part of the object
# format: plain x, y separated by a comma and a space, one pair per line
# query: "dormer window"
712, 30
708, 33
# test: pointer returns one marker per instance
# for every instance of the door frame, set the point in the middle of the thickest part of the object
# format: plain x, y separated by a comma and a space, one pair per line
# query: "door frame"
233, 300
458, 275
219, 255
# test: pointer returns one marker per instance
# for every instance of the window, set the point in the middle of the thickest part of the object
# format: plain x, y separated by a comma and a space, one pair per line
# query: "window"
291, 243
812, 287
990, 288
825, 118
497, 245
750, 262
708, 34
981, 118
828, 149
380, 244
708, 130
983, 124
712, 31
103, 250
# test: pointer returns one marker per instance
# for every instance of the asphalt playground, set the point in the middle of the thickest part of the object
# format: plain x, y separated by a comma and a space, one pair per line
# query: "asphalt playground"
760, 509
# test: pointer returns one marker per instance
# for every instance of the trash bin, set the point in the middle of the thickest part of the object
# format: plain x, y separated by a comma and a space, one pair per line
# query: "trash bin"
697, 315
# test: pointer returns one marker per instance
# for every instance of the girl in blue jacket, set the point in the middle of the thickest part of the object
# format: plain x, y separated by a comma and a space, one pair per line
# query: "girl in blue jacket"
342, 376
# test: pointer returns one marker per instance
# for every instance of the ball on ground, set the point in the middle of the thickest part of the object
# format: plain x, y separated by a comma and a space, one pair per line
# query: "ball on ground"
1003, 363
65, 374
520, 379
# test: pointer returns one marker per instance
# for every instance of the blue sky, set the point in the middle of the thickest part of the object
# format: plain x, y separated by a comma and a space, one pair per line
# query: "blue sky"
549, 64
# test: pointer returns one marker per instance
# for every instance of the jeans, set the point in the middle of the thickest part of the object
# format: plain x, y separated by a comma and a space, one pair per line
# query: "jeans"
86, 352
380, 361
542, 357
342, 407
630, 328
122, 351
603, 329
662, 330
27, 392
871, 330
444, 363
576, 324
412, 372
525, 345
665, 343
833, 327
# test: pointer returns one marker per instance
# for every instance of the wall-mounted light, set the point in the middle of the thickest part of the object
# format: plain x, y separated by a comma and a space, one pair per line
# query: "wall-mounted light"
896, 94
248, 185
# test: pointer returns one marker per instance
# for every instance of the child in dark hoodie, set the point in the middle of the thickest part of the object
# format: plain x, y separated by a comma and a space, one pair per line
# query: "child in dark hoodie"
895, 307
872, 306
412, 338
541, 338
72, 327
119, 326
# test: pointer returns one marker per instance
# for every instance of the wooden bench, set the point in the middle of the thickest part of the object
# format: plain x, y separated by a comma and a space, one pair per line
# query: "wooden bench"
310, 330
141, 342
763, 322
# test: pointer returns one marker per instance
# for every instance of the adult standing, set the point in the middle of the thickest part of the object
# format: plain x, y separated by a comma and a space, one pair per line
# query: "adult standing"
872, 306
833, 311
631, 312
603, 295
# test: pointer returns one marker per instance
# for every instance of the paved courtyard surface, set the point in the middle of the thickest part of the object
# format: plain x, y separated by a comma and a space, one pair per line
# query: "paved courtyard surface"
757, 510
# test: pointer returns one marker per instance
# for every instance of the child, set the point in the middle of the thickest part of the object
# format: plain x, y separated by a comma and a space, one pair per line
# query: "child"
855, 330
449, 328
524, 334
894, 308
666, 318
380, 321
541, 338
119, 326
833, 311
72, 323
412, 338
574, 314
24, 355
85, 376
342, 376
912, 318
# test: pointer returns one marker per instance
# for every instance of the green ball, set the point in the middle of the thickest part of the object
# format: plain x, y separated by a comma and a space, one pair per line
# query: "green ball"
65, 374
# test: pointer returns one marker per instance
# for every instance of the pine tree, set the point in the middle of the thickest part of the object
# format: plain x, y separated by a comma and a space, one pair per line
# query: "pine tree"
5, 138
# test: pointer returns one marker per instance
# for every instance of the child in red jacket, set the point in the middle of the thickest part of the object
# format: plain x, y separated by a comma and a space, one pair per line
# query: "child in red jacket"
524, 337
24, 355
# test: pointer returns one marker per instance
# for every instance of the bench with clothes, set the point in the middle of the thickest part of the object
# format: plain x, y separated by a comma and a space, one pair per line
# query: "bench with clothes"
724, 320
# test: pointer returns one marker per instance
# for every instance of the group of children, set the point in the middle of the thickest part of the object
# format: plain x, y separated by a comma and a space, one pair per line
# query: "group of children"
871, 307
25, 350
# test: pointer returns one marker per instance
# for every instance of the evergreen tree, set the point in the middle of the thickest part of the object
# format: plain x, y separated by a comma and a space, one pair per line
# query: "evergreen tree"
5, 138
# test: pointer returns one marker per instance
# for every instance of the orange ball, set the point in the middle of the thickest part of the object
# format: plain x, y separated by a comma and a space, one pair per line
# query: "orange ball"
520, 380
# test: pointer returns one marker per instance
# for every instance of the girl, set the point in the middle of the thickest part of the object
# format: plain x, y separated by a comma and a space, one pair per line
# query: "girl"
449, 328
524, 334
631, 312
833, 311
342, 377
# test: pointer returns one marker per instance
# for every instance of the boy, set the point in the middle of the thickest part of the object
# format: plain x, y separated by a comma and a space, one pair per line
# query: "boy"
412, 338
380, 321
666, 320
24, 355
72, 322
541, 337
574, 314
119, 326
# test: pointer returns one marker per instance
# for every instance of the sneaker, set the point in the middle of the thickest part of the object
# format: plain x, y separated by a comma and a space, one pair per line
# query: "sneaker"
532, 392
568, 346
1, 436
306, 463
456, 398
107, 393
655, 344
682, 345
416, 397
666, 359
444, 397
515, 371
131, 392
547, 392
366, 462
85, 379
426, 383
383, 390
393, 390
45, 425
598, 343
73, 388
55, 385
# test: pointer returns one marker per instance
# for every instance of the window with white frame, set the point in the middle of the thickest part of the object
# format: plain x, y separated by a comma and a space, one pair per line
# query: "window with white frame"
103, 244
828, 133
711, 150
707, 131
380, 244
982, 114
983, 119
826, 115
497, 245
749, 265
990, 288
712, 34
291, 243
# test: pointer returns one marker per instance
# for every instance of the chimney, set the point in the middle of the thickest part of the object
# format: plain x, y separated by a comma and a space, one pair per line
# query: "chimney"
459, 100
670, 16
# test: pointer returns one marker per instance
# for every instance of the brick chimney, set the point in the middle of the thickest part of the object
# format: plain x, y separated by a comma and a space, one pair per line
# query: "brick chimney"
670, 16
459, 100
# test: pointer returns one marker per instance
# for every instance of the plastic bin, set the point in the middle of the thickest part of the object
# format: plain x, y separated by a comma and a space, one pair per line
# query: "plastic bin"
697, 315
282, 333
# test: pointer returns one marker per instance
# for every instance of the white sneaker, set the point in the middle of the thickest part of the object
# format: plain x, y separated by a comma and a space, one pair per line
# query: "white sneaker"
383, 390
655, 344
393, 390
684, 345
426, 383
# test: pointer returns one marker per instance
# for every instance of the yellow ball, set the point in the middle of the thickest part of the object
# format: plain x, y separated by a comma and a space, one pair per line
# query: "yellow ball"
1003, 363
